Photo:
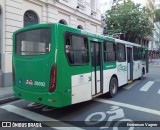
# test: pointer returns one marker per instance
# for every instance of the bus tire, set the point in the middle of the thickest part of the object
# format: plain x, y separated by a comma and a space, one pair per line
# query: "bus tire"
140, 78
113, 87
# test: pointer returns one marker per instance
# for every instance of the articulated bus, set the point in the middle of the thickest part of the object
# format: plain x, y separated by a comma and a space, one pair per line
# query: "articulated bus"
57, 65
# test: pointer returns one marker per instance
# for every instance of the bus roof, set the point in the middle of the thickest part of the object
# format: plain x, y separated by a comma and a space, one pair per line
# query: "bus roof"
83, 32
127, 43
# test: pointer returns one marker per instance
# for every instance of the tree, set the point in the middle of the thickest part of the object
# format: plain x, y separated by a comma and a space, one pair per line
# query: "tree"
157, 15
130, 19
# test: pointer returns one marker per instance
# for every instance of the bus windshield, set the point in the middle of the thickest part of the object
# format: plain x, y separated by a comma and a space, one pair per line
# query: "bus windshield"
33, 42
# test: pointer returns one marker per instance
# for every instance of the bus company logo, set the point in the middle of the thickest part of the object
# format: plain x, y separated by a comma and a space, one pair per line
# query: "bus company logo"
121, 68
20, 81
90, 78
29, 82
81, 77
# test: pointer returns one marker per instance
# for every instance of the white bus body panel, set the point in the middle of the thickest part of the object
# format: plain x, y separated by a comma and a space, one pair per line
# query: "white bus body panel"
81, 88
107, 74
137, 69
122, 73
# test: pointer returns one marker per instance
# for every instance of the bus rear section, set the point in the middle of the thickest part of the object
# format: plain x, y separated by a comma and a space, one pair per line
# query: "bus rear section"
34, 66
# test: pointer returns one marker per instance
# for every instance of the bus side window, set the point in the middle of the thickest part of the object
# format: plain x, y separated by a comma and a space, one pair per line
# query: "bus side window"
68, 49
143, 54
76, 48
135, 53
140, 53
109, 51
121, 52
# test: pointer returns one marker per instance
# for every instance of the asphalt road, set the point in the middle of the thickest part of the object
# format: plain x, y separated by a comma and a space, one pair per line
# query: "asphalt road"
137, 103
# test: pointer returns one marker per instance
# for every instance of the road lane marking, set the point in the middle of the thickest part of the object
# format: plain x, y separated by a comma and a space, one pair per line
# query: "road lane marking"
37, 117
134, 107
6, 98
147, 86
131, 85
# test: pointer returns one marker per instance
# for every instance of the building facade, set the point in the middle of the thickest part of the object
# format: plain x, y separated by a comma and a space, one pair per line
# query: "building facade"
105, 5
150, 4
156, 44
156, 38
15, 14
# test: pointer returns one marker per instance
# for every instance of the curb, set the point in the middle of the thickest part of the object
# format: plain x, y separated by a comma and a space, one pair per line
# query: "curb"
155, 64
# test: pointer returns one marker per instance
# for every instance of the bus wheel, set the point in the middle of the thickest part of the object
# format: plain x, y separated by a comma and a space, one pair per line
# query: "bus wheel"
140, 78
113, 86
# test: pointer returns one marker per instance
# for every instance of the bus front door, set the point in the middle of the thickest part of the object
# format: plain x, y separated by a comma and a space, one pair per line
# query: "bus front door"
130, 63
96, 68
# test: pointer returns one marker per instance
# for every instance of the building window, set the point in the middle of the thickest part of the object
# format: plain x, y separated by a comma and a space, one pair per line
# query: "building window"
62, 21
81, 1
121, 52
66, 1
76, 48
80, 4
80, 27
93, 5
109, 51
30, 18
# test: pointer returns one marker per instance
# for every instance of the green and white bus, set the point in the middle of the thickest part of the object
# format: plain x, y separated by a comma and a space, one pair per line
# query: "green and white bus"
57, 65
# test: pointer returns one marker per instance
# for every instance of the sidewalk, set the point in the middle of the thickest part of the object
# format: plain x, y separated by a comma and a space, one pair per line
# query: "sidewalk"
154, 62
6, 95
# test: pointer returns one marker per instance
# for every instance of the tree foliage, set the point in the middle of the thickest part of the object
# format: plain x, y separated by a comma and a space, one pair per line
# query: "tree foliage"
130, 19
157, 15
